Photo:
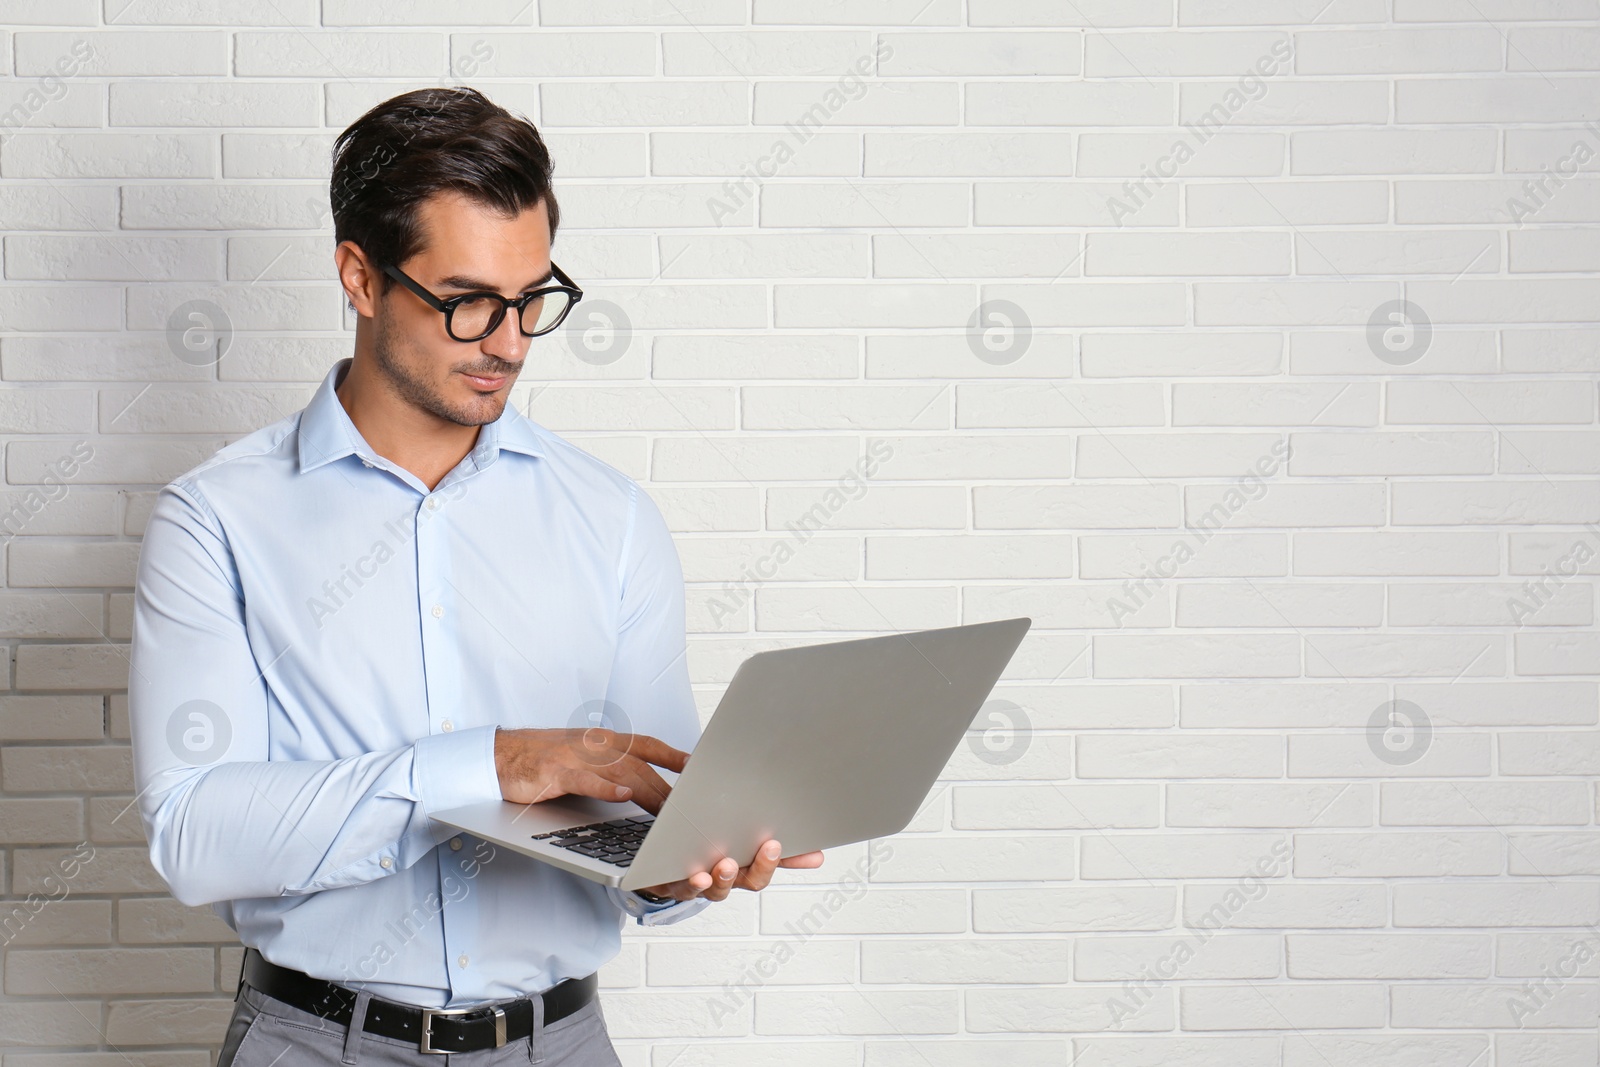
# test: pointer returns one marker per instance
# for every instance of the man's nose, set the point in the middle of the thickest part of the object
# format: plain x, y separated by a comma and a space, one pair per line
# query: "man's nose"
506, 340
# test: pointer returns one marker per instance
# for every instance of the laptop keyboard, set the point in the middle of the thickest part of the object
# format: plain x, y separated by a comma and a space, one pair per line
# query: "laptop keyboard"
615, 841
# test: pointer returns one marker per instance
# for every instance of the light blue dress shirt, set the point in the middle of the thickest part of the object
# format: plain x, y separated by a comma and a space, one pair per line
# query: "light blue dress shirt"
322, 649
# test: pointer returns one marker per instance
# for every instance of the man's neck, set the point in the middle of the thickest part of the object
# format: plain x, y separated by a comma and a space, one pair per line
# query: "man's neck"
417, 440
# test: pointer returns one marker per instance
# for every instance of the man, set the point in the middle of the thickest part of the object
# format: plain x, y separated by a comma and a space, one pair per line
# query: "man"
404, 598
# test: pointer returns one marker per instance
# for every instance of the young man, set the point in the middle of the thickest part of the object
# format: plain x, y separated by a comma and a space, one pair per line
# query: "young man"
405, 598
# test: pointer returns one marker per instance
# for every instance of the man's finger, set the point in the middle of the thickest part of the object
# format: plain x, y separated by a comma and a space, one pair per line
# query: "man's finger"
645, 788
651, 750
585, 782
649, 788
724, 874
758, 875
805, 859
601, 746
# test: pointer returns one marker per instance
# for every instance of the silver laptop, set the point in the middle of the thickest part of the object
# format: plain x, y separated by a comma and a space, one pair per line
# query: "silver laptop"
817, 746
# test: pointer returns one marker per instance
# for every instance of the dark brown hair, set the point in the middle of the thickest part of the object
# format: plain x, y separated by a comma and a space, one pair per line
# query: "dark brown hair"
406, 149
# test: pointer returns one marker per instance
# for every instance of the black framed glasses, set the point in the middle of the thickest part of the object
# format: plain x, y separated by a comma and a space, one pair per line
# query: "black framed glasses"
474, 316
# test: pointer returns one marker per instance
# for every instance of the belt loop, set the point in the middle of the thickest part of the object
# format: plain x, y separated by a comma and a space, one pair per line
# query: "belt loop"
243, 959
536, 1034
358, 1024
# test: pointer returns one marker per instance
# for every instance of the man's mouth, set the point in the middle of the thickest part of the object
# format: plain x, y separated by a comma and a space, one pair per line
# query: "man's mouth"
487, 382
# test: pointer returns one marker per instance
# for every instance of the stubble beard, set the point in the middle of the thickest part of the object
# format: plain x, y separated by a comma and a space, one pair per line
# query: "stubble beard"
415, 389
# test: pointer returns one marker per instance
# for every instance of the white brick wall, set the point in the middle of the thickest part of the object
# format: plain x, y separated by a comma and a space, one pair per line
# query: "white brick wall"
1242, 523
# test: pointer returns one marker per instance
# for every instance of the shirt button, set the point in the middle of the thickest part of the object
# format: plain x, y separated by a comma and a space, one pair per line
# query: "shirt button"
438, 611
364, 463
433, 503
455, 844
447, 726
462, 959
386, 863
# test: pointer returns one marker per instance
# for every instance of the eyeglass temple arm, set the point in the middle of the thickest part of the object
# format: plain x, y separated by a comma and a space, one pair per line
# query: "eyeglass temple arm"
394, 272
428, 298
561, 276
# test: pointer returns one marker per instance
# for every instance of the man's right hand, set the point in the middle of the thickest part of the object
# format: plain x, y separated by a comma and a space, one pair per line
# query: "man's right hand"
536, 765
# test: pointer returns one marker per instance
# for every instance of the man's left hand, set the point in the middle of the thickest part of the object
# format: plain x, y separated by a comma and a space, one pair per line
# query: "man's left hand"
726, 875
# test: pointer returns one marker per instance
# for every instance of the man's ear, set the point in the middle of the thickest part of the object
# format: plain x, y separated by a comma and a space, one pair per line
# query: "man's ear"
359, 278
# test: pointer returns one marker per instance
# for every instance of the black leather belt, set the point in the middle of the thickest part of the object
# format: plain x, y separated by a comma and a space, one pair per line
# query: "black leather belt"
433, 1029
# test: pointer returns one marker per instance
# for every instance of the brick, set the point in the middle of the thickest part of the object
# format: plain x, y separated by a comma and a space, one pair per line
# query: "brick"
1465, 351
1074, 507
1194, 855
964, 962
1135, 455
999, 458
1267, 804
1509, 401
1090, 14
126, 54
108, 155
53, 717
1068, 104
1266, 604
1388, 956
1498, 803
1177, 756
1071, 909
206, 13
859, 1011
1347, 905
1399, 655
967, 556
1291, 203
1064, 1009
216, 104
1507, 99
1275, 1007
1352, 756
83, 970
1399, 51
1195, 656
1124, 959
882, 909
1223, 155
132, 259
1191, 354
1390, 854
1053, 807
1085, 204
612, 104
800, 106
1302, 102
1391, 453
1249, 404
957, 356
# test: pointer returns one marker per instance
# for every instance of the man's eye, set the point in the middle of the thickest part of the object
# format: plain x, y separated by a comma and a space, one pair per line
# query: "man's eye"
472, 301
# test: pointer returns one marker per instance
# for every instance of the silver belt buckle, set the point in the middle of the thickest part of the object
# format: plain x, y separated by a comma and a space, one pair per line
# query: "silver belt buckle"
426, 1043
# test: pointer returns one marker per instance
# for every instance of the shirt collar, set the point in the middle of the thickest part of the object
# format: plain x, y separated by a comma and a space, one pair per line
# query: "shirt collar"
326, 432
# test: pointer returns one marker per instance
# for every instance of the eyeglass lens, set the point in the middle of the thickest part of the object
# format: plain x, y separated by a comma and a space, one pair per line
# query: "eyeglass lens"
478, 315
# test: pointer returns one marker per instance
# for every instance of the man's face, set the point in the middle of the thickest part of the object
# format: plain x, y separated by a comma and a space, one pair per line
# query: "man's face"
467, 248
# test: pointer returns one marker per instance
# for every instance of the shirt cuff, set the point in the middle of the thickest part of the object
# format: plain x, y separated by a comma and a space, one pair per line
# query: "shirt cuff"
456, 769
648, 914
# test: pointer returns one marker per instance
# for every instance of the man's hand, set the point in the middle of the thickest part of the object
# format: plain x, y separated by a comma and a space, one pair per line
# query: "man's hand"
536, 765
726, 875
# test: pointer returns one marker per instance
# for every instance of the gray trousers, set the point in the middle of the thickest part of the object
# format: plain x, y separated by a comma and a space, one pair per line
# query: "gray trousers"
266, 1032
